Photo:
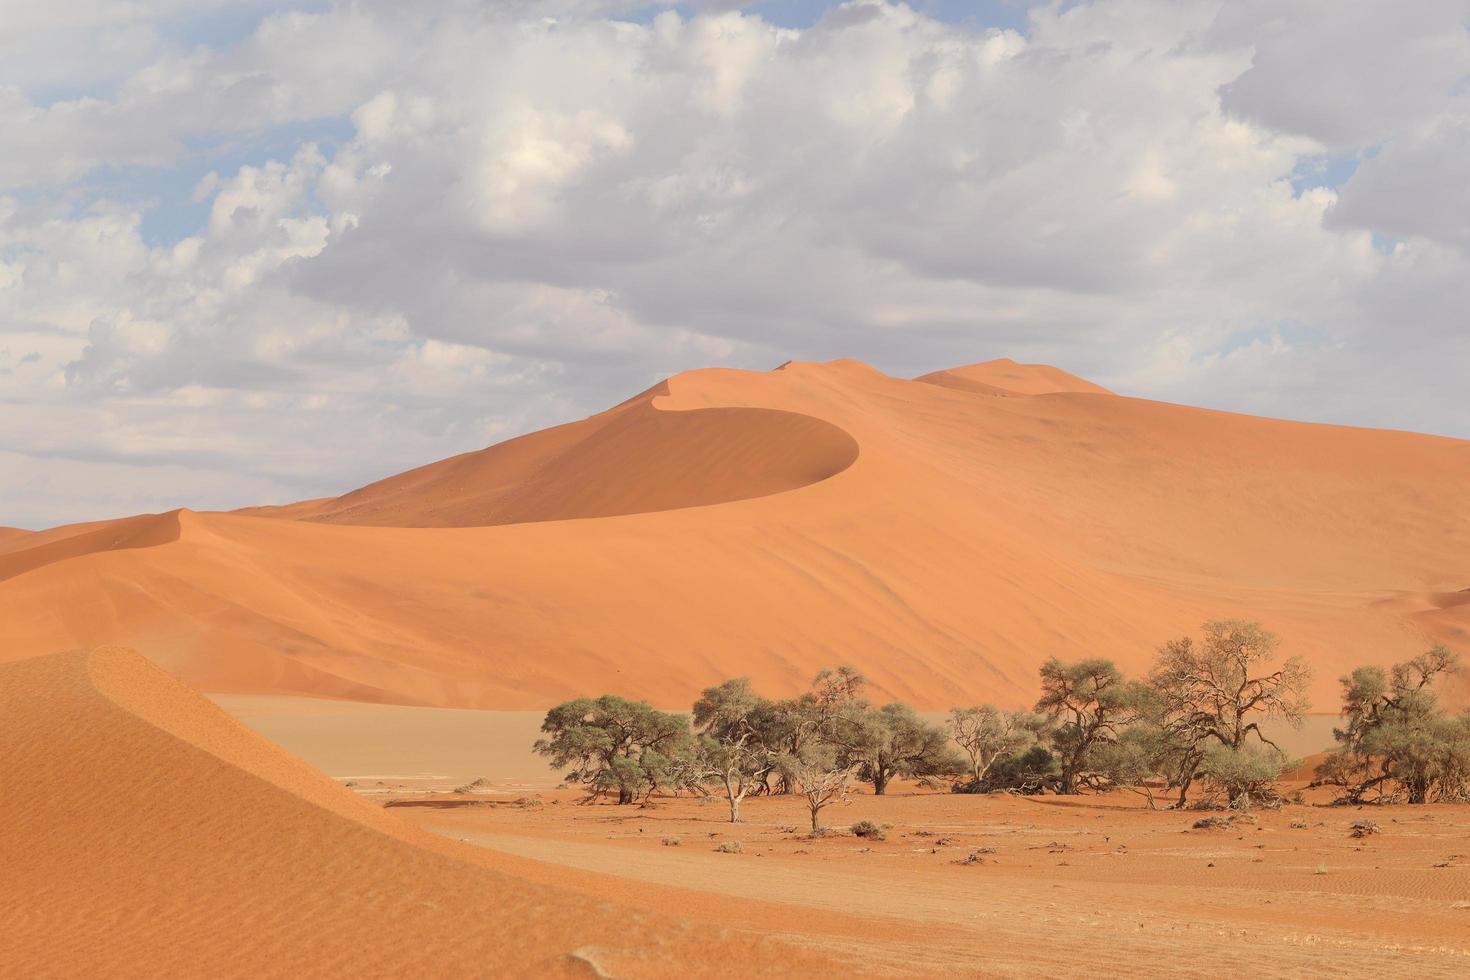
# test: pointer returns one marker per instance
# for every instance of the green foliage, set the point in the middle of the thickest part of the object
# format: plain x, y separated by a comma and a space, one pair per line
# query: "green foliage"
1398, 740
1091, 701
894, 742
1024, 772
1214, 694
614, 745
1137, 758
819, 774
985, 734
738, 740
1245, 774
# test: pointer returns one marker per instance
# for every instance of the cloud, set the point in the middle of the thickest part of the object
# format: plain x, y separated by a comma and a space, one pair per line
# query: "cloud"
541, 209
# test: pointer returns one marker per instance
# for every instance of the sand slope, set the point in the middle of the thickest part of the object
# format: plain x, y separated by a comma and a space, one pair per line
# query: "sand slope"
145, 833
1006, 377
768, 523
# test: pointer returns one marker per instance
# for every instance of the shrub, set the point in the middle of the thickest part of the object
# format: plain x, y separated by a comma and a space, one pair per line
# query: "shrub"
1244, 774
869, 830
1363, 828
731, 847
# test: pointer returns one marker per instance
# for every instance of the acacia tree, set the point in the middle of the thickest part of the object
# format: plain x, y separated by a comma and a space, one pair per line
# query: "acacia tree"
1092, 701
893, 741
613, 744
820, 775
985, 733
1138, 757
1212, 696
791, 725
728, 718
1397, 737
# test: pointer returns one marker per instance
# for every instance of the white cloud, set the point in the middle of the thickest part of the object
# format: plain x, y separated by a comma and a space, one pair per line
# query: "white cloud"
543, 210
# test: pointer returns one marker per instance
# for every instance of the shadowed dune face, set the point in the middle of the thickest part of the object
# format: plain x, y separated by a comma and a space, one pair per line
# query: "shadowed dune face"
634, 459
943, 540
146, 833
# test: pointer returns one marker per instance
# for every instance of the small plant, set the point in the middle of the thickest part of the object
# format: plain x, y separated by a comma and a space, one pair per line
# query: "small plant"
731, 847
1213, 823
869, 830
1321, 870
671, 842
969, 859
1299, 825
1363, 828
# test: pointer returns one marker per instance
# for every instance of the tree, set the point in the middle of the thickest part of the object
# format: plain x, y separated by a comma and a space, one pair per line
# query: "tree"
1215, 694
1092, 701
893, 741
790, 725
1397, 738
1136, 759
728, 718
819, 774
985, 733
613, 744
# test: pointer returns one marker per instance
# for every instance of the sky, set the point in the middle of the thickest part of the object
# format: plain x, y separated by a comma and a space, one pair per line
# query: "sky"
254, 251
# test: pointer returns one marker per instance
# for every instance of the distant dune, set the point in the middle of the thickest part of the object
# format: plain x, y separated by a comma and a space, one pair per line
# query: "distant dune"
1006, 377
941, 537
146, 833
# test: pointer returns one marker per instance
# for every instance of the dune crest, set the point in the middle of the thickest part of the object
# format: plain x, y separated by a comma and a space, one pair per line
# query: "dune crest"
634, 459
146, 833
21, 554
945, 543
1005, 377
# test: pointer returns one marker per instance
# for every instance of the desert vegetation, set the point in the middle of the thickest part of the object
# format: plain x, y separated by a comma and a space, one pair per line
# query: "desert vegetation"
1398, 743
1193, 722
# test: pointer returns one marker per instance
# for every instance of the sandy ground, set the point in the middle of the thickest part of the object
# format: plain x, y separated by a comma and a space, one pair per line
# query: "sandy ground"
1059, 887
378, 747
148, 834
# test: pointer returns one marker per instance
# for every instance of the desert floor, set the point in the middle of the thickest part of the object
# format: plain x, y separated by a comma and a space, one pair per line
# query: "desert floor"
974, 886
1013, 886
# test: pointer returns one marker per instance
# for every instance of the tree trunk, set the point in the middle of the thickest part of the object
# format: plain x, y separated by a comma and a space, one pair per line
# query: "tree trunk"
815, 810
734, 809
625, 796
880, 783
1183, 791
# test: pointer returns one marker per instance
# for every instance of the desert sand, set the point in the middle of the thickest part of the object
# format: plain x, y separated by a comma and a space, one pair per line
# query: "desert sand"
944, 534
146, 833
1022, 886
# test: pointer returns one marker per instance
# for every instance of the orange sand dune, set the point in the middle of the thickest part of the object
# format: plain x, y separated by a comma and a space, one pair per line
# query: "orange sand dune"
631, 460
147, 834
20, 555
767, 524
1006, 377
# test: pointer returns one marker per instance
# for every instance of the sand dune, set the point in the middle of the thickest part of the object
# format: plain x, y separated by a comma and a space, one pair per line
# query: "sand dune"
23, 554
145, 833
1006, 377
633, 459
768, 523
